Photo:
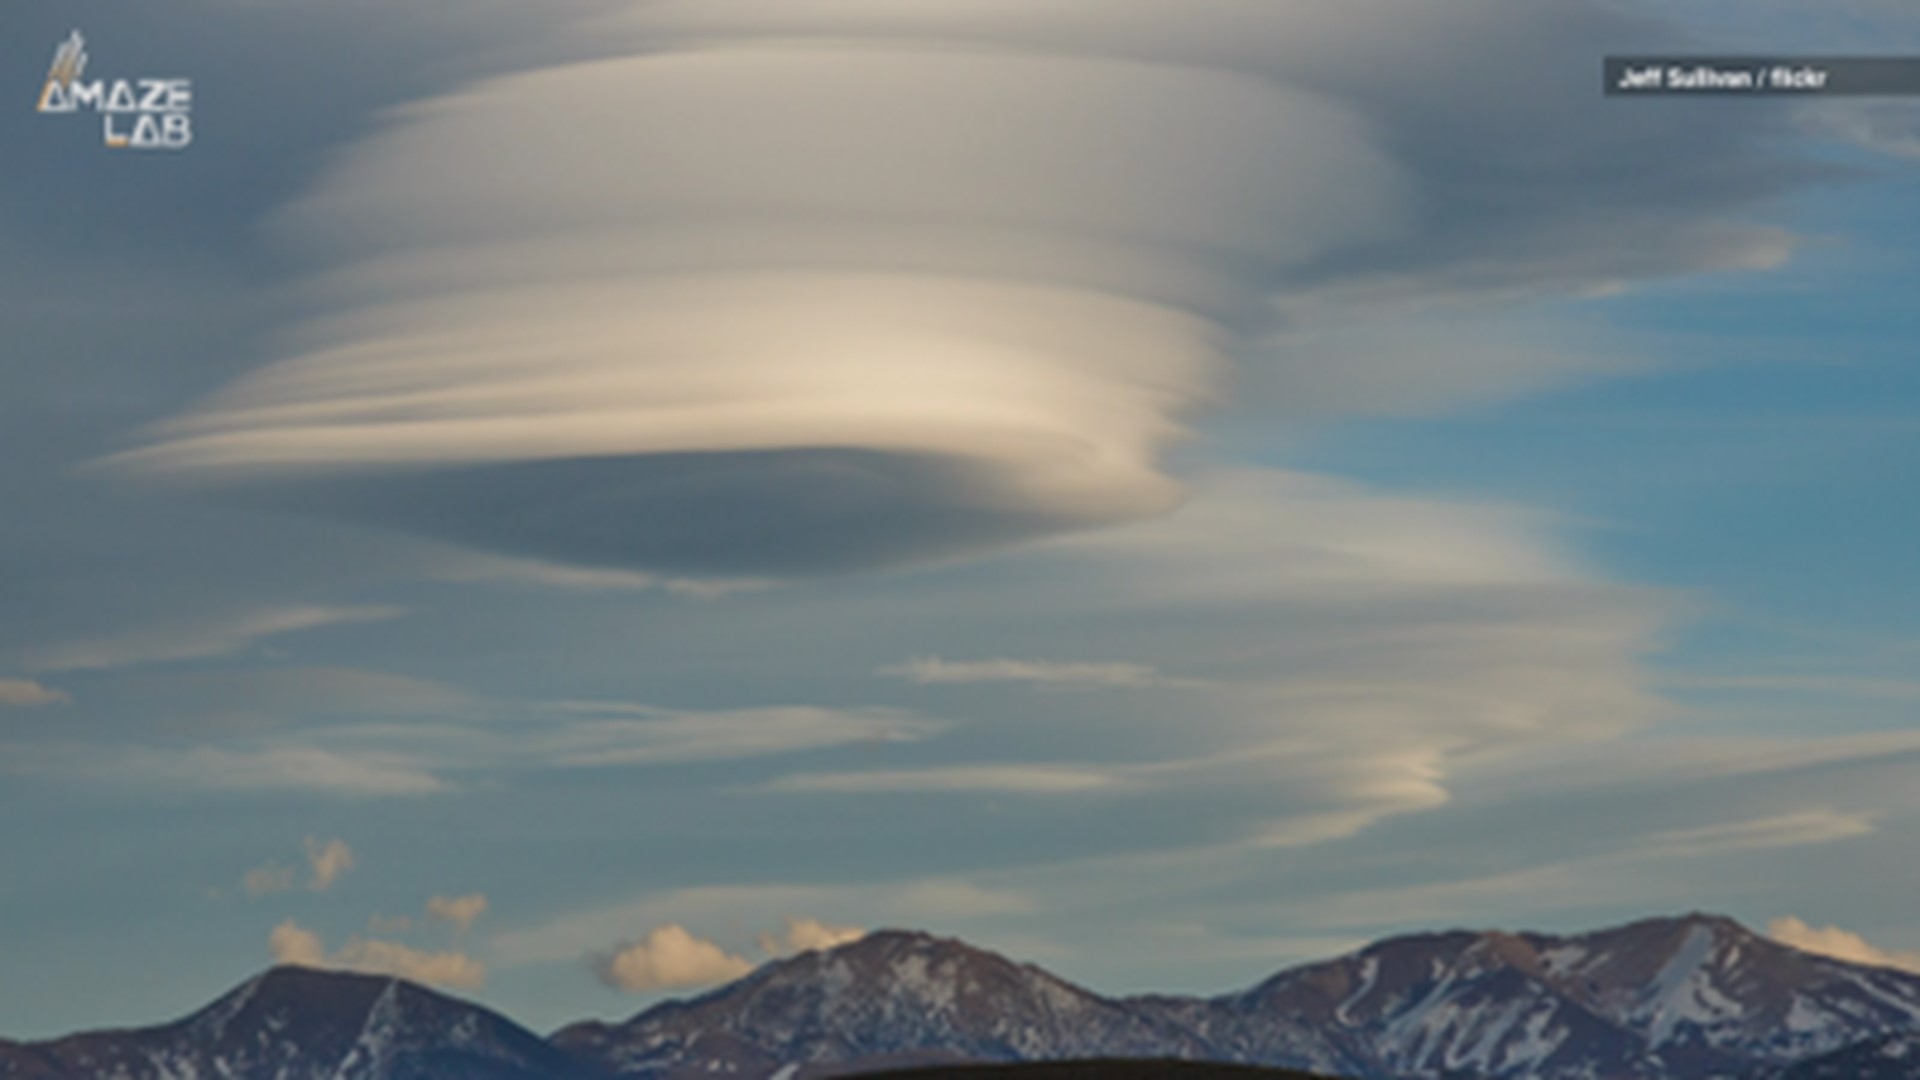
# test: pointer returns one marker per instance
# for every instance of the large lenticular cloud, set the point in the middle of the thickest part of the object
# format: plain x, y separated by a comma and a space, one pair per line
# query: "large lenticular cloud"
796, 287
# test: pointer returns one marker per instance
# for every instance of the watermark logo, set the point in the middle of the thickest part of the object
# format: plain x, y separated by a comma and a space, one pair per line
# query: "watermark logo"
138, 114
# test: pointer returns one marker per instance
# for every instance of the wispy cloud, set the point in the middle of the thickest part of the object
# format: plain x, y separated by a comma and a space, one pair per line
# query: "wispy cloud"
200, 641
326, 862
1587, 881
1001, 779
1839, 686
1887, 127
616, 733
290, 768
460, 911
1814, 826
423, 758
268, 879
472, 567
935, 670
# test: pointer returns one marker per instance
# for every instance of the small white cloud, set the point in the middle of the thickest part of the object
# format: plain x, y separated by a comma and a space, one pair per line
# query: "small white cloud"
937, 901
25, 693
291, 943
376, 957
327, 860
1839, 944
461, 911
668, 958
268, 879
933, 670
807, 935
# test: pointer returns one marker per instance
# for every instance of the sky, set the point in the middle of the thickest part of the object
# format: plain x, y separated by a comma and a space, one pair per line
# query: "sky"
570, 505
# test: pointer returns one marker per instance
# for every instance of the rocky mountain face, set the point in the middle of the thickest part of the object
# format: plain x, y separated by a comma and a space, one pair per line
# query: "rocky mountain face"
1687, 998
892, 997
300, 1024
1890, 1057
1692, 998
1699, 996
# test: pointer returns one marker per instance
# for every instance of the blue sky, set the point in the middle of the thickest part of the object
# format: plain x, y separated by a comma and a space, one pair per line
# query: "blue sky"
592, 502
1780, 414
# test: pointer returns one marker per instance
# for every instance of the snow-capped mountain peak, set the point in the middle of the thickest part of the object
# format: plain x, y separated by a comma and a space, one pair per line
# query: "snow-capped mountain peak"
1697, 997
295, 1023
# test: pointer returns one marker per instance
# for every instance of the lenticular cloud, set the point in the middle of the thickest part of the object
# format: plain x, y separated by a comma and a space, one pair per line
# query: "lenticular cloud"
814, 286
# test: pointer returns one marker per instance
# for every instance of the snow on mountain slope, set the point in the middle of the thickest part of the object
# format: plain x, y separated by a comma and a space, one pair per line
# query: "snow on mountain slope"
893, 996
300, 1024
1444, 1005
1692, 998
1890, 1057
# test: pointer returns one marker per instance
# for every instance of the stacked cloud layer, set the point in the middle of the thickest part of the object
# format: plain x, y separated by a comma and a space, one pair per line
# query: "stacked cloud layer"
785, 289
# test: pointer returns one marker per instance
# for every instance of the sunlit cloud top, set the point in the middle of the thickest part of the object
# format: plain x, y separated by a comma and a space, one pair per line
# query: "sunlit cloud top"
892, 284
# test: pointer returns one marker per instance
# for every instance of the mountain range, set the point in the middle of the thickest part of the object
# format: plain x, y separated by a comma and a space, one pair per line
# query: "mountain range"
1697, 997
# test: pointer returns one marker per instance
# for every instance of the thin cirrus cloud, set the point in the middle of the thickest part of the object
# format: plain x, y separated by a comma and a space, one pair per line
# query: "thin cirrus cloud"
613, 733
1359, 652
1608, 877
386, 760
205, 640
230, 769
934, 670
1003, 779
1814, 826
825, 286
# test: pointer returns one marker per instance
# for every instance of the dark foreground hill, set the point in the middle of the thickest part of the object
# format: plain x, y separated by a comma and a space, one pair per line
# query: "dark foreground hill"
1104, 1069
1101, 1069
1693, 998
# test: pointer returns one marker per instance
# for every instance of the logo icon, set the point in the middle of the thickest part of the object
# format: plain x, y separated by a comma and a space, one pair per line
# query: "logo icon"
69, 61
139, 114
